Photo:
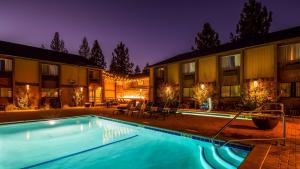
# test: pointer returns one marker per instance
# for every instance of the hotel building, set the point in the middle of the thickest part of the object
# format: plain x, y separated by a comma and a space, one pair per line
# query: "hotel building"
274, 57
34, 78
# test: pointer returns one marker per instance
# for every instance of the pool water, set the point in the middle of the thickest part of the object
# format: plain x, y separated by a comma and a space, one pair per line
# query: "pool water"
95, 142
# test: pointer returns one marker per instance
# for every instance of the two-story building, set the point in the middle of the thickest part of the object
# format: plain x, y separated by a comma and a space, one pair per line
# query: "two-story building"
274, 57
46, 77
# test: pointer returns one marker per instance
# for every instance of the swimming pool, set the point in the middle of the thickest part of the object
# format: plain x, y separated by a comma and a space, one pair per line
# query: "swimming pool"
97, 142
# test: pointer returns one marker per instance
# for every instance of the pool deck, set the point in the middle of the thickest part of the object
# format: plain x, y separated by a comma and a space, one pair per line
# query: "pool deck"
277, 156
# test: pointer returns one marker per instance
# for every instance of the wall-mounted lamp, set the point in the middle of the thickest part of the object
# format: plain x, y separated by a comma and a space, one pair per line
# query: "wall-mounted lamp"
81, 89
27, 87
255, 83
202, 86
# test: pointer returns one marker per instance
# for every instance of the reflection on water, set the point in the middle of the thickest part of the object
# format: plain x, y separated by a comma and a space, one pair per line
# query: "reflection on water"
28, 135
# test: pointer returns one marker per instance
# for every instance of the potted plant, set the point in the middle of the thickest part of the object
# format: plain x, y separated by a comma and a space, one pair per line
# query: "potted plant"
203, 91
168, 92
257, 93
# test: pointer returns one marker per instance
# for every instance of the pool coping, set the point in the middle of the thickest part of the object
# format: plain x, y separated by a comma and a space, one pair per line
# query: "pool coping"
256, 157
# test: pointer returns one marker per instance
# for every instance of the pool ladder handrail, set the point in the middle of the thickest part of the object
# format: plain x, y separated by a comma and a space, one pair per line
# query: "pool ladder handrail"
259, 110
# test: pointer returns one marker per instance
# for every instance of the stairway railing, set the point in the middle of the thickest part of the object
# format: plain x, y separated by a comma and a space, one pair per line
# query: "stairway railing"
257, 113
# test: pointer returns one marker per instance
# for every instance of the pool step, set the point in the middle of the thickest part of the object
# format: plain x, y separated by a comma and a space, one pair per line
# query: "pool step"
215, 160
227, 154
203, 160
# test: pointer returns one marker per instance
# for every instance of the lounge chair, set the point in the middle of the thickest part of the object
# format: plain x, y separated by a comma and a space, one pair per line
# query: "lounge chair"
146, 109
159, 111
173, 108
123, 109
138, 109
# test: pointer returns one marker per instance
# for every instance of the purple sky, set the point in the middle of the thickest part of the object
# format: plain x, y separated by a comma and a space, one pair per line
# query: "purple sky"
153, 30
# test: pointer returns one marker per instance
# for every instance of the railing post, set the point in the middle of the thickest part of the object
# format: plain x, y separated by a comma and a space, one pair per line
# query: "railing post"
283, 124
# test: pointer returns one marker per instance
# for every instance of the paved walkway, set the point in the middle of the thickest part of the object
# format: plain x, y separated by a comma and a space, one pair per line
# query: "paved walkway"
279, 157
286, 157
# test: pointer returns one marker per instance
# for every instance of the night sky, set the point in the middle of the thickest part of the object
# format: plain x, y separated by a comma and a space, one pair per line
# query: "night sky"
153, 30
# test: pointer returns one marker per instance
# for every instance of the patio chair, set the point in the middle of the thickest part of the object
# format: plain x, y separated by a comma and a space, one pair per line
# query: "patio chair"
138, 109
160, 111
173, 108
123, 109
146, 109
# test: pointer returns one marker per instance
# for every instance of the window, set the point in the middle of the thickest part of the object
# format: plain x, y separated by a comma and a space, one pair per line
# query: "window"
230, 91
285, 89
297, 89
230, 62
290, 53
189, 68
95, 75
49, 70
5, 65
5, 92
48, 92
187, 92
160, 72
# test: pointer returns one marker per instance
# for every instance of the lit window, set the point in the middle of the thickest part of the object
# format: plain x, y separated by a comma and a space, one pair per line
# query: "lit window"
5, 65
231, 62
160, 72
189, 68
49, 70
290, 53
5, 92
285, 89
187, 92
230, 91
94, 75
225, 91
48, 92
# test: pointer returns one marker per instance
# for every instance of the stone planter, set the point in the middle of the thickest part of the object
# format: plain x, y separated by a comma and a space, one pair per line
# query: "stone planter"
265, 123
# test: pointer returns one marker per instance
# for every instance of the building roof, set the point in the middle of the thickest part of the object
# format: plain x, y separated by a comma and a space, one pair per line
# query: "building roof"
30, 52
271, 37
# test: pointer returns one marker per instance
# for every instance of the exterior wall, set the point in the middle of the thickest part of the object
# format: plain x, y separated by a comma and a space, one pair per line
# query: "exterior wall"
26, 71
255, 63
259, 62
82, 76
173, 73
109, 89
73, 75
67, 96
207, 69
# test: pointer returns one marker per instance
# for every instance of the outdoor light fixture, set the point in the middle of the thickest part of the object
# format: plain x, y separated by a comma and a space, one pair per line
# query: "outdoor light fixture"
202, 86
27, 87
81, 89
168, 89
255, 83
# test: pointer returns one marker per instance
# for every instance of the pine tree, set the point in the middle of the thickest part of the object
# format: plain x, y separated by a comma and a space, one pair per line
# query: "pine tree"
84, 49
146, 69
113, 65
137, 70
57, 44
255, 21
97, 56
206, 39
121, 62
